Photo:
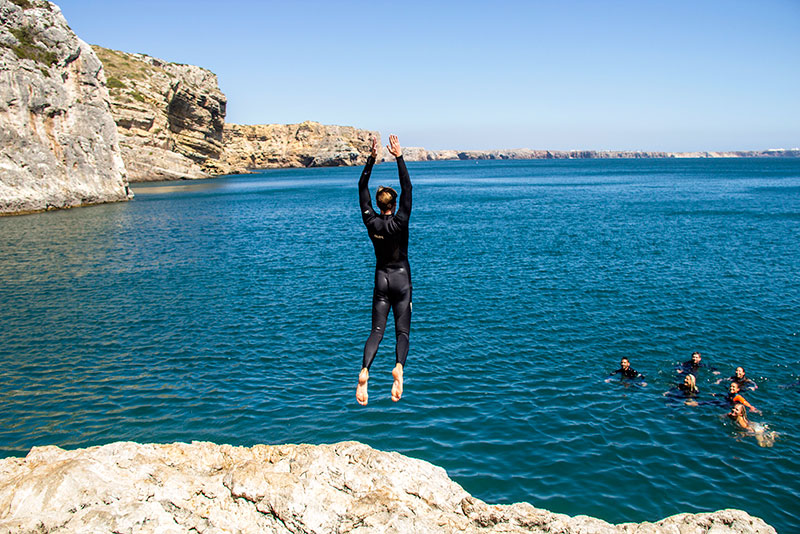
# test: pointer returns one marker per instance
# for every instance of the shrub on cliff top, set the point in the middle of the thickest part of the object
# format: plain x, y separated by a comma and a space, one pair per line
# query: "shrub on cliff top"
28, 49
114, 83
24, 4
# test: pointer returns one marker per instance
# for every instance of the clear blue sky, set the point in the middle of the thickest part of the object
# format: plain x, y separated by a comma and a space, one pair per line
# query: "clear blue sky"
640, 74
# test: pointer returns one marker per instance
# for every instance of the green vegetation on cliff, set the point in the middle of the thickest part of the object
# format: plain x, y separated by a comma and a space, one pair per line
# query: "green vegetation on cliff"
120, 66
28, 49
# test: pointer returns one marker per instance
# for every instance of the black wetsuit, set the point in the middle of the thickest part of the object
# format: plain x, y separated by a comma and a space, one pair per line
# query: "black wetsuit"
693, 368
389, 236
627, 373
743, 382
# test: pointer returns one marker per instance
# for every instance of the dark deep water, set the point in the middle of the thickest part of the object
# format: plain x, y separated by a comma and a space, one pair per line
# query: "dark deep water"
235, 310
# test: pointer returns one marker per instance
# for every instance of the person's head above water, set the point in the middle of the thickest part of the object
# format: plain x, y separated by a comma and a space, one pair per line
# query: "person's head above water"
386, 198
734, 388
738, 411
624, 363
740, 372
690, 382
696, 358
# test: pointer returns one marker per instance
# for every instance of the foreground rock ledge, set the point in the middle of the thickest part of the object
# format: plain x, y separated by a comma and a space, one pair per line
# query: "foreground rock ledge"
209, 488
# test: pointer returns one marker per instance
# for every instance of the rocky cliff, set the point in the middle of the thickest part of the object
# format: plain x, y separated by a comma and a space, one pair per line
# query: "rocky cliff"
343, 488
169, 116
309, 144
171, 125
58, 143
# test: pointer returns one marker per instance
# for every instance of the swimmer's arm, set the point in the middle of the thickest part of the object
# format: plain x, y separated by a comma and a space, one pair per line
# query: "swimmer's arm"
739, 398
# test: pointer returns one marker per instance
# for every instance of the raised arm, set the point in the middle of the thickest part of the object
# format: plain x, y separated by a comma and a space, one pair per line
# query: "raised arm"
363, 184
739, 398
404, 209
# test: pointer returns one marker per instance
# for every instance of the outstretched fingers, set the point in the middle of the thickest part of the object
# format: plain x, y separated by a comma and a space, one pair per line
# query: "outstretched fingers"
394, 146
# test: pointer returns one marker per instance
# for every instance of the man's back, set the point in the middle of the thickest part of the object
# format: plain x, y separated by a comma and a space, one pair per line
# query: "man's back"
389, 236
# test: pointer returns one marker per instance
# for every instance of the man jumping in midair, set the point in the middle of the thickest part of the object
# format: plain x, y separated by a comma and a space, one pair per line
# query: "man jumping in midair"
388, 232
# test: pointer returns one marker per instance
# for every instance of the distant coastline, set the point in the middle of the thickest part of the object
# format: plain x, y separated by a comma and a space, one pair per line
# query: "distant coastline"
421, 154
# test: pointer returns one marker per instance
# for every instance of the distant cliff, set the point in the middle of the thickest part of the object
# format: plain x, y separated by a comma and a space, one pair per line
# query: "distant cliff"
171, 124
58, 143
309, 144
421, 154
169, 116
282, 489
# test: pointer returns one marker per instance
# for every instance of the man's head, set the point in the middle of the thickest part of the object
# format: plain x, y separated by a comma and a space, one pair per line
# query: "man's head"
696, 358
740, 372
385, 198
625, 363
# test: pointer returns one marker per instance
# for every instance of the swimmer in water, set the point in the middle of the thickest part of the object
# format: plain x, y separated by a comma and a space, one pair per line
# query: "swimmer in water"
689, 385
626, 371
740, 378
734, 396
689, 390
694, 365
739, 416
764, 437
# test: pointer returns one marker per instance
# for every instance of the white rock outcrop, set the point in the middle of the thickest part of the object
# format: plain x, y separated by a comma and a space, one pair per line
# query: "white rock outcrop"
58, 143
308, 144
342, 488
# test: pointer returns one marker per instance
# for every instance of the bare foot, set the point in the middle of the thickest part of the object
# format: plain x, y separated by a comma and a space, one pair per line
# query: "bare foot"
397, 387
361, 391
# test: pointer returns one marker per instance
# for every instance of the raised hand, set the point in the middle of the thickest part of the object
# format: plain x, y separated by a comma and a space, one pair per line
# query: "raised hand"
394, 146
374, 149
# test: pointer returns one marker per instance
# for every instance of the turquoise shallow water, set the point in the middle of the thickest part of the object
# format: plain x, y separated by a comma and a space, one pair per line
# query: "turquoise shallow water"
235, 310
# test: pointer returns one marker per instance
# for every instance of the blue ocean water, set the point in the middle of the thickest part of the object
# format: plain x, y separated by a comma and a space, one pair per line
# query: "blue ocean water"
235, 310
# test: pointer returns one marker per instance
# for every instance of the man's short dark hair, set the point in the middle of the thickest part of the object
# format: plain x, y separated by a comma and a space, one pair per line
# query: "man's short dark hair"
385, 198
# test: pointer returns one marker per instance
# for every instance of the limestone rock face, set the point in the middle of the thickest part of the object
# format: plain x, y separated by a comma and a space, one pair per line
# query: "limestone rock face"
308, 144
58, 142
345, 488
169, 117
